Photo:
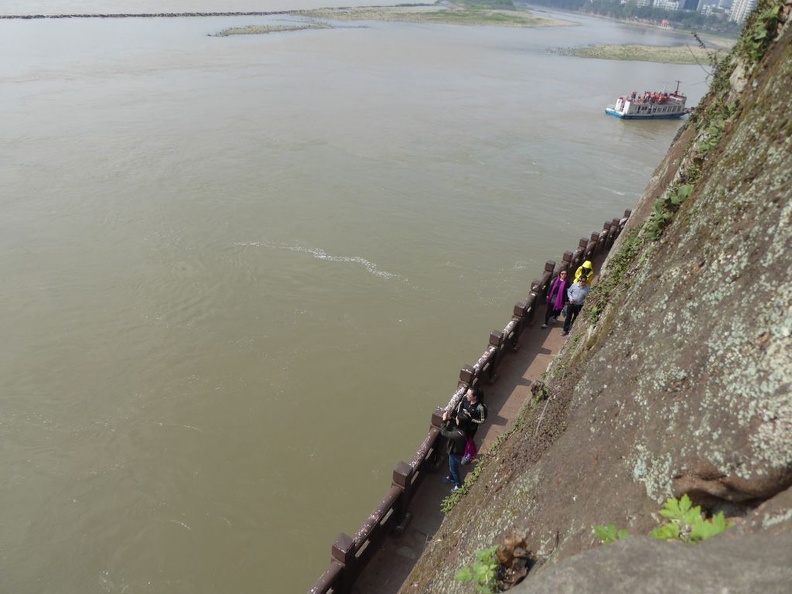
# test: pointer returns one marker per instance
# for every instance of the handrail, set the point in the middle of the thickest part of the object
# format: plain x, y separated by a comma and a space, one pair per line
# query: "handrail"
349, 555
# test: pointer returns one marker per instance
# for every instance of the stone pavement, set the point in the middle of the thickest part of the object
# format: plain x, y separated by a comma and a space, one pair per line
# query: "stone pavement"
389, 568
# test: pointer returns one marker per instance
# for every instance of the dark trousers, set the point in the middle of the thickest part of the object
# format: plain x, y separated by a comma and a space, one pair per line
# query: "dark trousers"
551, 313
453, 468
573, 309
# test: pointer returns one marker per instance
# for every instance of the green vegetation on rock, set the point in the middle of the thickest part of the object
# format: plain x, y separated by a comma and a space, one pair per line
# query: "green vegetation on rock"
484, 572
610, 534
687, 523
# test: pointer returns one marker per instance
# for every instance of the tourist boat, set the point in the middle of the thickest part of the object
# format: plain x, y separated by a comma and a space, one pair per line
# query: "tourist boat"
650, 106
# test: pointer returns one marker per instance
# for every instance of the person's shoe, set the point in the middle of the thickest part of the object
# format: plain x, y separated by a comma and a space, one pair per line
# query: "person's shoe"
456, 488
448, 480
565, 333
544, 325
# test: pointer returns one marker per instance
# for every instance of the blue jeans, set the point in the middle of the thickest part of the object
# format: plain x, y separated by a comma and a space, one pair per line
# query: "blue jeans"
453, 468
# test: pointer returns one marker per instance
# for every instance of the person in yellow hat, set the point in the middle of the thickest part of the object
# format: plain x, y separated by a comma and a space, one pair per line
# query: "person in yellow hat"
586, 272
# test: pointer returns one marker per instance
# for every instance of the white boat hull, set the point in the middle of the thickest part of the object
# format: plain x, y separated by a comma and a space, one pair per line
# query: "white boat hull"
648, 116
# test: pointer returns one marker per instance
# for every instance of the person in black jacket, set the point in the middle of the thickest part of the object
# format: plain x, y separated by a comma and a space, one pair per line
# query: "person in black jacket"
456, 439
471, 411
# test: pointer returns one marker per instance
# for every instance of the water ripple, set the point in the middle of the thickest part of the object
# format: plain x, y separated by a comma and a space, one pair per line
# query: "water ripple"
320, 254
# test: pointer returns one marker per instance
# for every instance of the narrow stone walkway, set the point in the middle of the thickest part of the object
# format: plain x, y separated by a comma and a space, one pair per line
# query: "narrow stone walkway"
390, 567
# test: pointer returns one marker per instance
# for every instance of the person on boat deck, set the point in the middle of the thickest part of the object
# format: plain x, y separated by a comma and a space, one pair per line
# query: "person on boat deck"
585, 271
557, 296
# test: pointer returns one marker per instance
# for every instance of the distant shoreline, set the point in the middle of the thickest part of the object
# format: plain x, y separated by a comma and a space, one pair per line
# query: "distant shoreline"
690, 54
142, 15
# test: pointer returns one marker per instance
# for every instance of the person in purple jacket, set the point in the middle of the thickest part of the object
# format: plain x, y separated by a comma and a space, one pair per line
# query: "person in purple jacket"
557, 296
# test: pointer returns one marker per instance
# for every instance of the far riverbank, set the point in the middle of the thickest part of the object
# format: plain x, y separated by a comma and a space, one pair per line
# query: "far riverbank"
466, 15
687, 54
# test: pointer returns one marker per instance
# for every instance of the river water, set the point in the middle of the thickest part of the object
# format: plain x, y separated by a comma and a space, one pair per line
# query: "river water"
239, 273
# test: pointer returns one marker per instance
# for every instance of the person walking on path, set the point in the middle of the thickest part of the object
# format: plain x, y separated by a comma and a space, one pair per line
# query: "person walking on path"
577, 295
456, 439
557, 296
586, 272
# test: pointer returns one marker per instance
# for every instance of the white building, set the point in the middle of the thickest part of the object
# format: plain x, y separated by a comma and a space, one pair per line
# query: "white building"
741, 9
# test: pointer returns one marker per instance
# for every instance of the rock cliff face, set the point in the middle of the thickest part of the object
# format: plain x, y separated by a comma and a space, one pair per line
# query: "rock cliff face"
676, 380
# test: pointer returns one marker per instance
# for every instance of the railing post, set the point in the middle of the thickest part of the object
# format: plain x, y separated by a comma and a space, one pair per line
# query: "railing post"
605, 235
496, 342
566, 262
549, 267
512, 341
437, 417
343, 551
402, 478
613, 232
467, 375
578, 258
588, 253
594, 247
530, 303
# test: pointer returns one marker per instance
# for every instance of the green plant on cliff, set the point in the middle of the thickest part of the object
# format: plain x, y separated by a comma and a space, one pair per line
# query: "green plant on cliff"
761, 29
711, 137
666, 206
610, 534
448, 503
687, 522
620, 263
484, 572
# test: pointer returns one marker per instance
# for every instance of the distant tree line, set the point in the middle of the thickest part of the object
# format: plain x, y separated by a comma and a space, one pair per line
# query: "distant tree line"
680, 19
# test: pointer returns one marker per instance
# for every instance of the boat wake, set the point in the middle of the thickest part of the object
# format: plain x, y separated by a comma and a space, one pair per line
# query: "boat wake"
320, 254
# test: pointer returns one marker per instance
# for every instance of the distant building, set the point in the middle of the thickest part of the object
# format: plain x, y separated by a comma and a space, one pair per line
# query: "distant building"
691, 5
741, 9
640, 3
670, 5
